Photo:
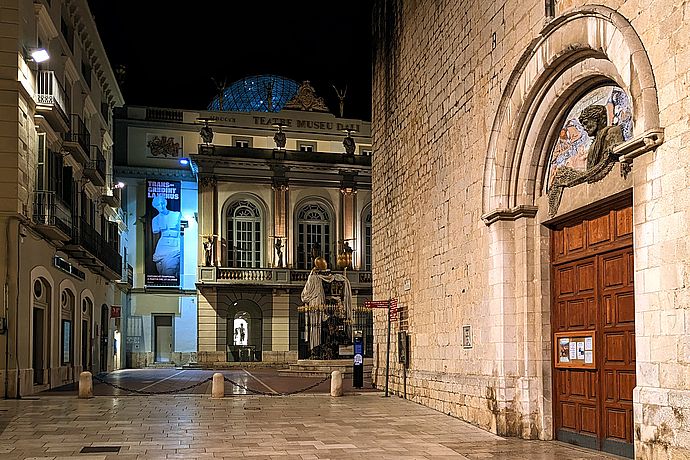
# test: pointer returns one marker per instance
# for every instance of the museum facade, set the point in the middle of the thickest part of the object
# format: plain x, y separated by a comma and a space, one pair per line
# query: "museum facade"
531, 194
268, 179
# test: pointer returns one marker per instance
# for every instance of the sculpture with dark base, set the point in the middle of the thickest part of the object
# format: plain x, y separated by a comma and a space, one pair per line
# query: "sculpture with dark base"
327, 308
600, 157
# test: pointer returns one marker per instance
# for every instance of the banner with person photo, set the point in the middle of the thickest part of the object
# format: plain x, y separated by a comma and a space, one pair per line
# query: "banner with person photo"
162, 233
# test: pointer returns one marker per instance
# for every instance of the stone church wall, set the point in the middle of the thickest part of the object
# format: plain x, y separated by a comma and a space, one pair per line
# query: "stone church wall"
458, 234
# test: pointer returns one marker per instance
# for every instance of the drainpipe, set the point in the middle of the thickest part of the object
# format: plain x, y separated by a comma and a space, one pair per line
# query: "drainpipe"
16, 306
9, 278
6, 299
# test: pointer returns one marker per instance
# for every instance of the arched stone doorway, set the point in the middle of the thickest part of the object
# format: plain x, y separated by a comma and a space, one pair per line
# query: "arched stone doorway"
567, 264
244, 331
40, 330
86, 334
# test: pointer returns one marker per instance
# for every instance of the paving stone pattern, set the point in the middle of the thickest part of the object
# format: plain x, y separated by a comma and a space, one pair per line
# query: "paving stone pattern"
297, 427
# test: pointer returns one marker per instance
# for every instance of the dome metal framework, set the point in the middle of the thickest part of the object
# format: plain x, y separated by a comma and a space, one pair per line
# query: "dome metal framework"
260, 93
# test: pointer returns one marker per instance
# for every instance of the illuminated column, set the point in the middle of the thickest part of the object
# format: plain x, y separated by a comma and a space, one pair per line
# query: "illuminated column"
280, 220
208, 212
348, 209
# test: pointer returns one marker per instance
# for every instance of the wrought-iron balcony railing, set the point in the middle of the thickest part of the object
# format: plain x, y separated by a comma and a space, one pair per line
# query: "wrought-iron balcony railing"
78, 137
51, 94
52, 216
95, 168
85, 236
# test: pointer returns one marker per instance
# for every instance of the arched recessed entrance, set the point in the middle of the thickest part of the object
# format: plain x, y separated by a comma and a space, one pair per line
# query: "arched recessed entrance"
570, 284
41, 314
244, 331
86, 315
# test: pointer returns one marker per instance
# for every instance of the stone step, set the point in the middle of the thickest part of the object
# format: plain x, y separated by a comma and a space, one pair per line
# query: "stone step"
321, 368
321, 374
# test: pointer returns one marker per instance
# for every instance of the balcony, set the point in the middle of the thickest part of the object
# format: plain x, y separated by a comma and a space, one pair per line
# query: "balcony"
94, 170
127, 279
112, 197
77, 141
91, 250
273, 277
51, 217
51, 101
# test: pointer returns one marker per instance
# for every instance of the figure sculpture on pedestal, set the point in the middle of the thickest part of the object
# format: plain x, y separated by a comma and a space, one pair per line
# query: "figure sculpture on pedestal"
330, 315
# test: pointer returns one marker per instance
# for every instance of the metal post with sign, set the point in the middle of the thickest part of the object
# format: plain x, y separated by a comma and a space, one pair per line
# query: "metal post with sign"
358, 367
392, 308
388, 345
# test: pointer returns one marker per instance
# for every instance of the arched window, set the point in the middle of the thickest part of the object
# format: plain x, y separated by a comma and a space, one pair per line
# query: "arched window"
313, 235
366, 232
244, 235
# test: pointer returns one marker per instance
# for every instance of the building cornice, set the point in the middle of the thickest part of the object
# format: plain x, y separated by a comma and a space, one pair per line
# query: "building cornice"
140, 172
95, 52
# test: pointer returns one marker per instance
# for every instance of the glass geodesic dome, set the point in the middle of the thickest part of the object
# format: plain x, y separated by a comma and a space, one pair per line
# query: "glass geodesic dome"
260, 93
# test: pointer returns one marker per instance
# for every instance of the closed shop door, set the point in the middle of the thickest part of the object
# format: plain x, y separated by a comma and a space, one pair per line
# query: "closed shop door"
593, 273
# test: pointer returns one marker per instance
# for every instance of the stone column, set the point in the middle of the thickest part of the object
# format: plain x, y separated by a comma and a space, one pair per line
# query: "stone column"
348, 209
280, 220
208, 217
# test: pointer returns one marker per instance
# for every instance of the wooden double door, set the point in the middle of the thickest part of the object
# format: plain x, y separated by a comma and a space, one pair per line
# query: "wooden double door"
592, 262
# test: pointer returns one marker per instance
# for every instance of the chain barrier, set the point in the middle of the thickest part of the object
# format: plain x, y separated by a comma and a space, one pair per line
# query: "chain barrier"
197, 384
263, 393
143, 392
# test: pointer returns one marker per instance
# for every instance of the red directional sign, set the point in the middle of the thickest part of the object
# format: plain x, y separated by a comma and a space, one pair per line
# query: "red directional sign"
381, 303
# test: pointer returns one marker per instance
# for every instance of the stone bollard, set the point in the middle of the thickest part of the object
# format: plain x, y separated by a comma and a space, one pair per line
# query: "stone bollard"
336, 383
85, 385
218, 387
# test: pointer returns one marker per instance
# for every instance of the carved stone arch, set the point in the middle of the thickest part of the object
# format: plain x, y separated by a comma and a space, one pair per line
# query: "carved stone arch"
42, 272
256, 199
84, 295
68, 284
315, 199
577, 51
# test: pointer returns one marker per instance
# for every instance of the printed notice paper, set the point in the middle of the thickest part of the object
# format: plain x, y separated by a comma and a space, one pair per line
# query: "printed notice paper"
573, 350
588, 343
589, 358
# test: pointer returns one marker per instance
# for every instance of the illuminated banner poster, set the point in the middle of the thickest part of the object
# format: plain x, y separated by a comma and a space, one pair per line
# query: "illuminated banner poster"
162, 233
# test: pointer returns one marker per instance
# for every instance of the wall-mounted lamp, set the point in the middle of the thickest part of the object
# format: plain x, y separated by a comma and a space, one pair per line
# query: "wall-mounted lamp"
39, 55
187, 162
120, 184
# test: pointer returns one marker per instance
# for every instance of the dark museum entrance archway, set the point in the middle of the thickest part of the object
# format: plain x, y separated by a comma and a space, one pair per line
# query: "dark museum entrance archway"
244, 331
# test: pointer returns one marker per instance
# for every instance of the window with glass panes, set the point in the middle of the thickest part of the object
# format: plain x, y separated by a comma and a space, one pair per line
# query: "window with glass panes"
313, 235
367, 240
244, 235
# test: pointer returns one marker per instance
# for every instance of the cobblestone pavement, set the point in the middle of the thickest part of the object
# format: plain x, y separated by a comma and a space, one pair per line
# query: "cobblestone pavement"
313, 426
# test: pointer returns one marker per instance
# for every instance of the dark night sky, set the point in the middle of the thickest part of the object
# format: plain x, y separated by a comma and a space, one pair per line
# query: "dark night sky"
171, 49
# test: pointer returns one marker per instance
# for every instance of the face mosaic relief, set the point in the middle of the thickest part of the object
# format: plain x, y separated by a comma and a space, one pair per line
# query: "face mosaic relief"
573, 142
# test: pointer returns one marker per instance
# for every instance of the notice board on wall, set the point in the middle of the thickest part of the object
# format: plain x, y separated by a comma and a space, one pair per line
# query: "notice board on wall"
575, 349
